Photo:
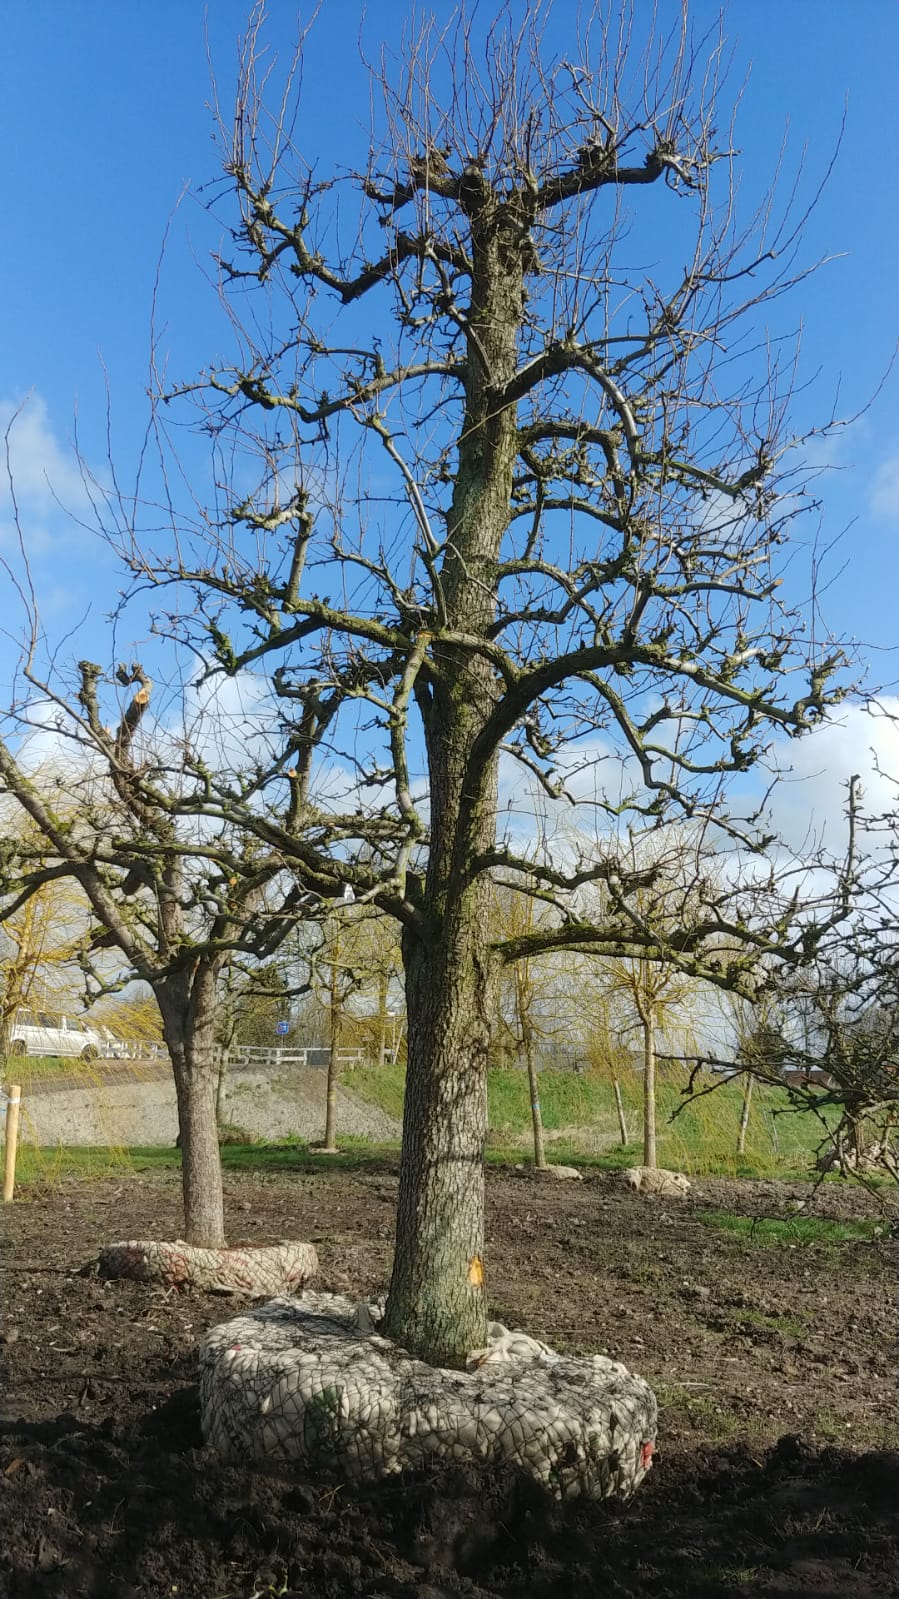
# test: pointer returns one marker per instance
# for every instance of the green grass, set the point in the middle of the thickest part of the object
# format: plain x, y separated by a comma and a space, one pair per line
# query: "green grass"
25, 1069
567, 1100
383, 1086
356, 1154
793, 1326
829, 1426
797, 1231
37, 1166
580, 1120
719, 1579
702, 1410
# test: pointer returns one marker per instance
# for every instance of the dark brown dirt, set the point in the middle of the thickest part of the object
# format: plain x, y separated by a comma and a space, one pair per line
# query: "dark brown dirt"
777, 1471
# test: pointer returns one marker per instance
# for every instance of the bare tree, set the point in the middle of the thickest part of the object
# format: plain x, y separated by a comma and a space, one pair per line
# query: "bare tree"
175, 892
515, 915
342, 980
489, 493
39, 948
672, 881
824, 1027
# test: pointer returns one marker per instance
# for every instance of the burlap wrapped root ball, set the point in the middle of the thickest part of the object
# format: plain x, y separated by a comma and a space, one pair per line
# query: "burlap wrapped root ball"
313, 1381
275, 1269
657, 1180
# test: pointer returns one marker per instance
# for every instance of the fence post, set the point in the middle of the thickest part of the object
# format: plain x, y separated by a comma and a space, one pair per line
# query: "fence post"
12, 1138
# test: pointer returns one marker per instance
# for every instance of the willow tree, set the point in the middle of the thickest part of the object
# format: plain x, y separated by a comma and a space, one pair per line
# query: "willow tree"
39, 947
501, 501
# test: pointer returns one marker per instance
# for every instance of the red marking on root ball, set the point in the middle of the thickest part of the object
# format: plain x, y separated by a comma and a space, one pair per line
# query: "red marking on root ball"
646, 1454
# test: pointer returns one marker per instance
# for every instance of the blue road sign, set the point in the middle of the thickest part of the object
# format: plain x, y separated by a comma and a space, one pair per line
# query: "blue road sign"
281, 1028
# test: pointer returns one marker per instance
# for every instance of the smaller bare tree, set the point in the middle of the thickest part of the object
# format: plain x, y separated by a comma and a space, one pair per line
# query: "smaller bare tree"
174, 891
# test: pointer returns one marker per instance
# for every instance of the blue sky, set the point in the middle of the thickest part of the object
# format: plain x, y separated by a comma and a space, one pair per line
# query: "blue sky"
106, 120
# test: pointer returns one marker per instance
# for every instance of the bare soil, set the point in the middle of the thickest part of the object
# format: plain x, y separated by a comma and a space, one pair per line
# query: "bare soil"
777, 1467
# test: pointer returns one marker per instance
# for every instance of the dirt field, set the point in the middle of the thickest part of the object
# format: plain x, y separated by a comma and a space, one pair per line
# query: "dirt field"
775, 1366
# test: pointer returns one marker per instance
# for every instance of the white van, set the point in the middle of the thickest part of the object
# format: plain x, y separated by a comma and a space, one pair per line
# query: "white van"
44, 1033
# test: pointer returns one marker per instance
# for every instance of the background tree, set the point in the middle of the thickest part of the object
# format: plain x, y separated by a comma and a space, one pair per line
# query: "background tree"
253, 999
371, 961
830, 1038
574, 556
356, 962
39, 948
608, 1053
132, 1016
174, 890
758, 1042
528, 999
673, 878
340, 980
652, 999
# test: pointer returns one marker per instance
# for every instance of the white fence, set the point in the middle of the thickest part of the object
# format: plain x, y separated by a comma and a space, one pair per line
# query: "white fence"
257, 1055
134, 1049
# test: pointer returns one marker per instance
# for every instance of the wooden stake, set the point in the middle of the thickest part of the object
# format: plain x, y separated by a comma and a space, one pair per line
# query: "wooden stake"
12, 1139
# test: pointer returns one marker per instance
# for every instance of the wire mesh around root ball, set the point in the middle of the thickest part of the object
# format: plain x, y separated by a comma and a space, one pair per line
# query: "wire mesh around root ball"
273, 1269
312, 1380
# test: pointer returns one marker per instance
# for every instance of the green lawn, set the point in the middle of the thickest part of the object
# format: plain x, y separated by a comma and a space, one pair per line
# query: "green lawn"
36, 1166
581, 1122
770, 1232
25, 1069
578, 1113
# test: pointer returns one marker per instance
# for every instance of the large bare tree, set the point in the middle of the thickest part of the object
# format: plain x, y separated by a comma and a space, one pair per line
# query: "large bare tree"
495, 504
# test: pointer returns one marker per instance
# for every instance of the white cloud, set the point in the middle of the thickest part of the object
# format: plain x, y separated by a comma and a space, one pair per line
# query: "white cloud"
809, 804
884, 494
45, 470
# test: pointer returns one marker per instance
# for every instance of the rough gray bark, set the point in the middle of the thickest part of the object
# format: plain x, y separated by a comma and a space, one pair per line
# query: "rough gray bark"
437, 1302
221, 1083
188, 1019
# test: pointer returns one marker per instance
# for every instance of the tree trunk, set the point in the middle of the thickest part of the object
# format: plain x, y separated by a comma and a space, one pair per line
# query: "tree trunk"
221, 1084
775, 1141
649, 1089
536, 1113
622, 1124
437, 1301
744, 1113
437, 1304
330, 1139
188, 1018
383, 992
